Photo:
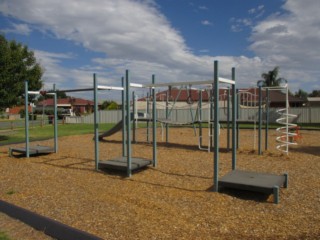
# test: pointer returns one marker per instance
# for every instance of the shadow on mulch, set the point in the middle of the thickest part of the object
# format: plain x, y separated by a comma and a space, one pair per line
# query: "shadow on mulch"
243, 194
81, 165
313, 150
23, 155
179, 175
170, 145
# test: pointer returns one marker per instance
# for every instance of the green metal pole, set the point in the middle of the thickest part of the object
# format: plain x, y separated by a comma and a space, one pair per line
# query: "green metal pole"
234, 121
237, 114
267, 121
216, 127
128, 124
96, 122
167, 114
55, 120
26, 96
148, 116
154, 123
123, 119
260, 121
200, 117
133, 117
228, 119
212, 106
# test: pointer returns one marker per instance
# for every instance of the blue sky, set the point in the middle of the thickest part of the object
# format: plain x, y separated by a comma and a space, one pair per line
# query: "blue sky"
177, 40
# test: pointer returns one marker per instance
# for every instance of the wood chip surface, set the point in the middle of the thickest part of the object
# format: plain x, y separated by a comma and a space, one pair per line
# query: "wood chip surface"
173, 200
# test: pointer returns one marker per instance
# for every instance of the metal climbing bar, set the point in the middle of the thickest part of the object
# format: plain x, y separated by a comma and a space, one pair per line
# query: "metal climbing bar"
100, 87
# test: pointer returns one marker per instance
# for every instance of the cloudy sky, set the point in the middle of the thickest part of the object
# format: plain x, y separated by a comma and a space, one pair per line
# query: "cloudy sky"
177, 40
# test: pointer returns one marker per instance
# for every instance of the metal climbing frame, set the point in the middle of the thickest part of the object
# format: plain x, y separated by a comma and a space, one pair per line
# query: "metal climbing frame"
27, 150
125, 162
238, 179
286, 135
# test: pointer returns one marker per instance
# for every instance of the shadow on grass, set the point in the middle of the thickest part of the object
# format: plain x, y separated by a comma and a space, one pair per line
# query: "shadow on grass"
4, 138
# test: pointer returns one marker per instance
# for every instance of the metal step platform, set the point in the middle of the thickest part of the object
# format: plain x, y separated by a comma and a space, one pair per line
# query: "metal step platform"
34, 150
255, 182
121, 164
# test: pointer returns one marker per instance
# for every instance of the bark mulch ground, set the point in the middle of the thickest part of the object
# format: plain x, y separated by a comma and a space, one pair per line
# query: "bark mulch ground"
172, 201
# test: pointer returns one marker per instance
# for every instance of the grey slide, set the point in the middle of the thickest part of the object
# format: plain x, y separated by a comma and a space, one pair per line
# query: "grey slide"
111, 131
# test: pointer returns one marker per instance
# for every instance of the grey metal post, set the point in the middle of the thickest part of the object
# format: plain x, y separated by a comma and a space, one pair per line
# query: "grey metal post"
55, 120
234, 121
260, 120
276, 194
154, 124
216, 127
267, 121
228, 120
212, 106
96, 122
26, 110
237, 114
148, 116
123, 119
133, 117
128, 126
167, 114
200, 117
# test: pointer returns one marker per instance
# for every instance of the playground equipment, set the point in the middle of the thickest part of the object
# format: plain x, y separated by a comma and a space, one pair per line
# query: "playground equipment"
239, 179
35, 150
285, 131
248, 101
125, 162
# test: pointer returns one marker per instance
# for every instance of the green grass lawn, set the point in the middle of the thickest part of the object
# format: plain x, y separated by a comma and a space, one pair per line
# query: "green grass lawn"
38, 133
47, 131
4, 236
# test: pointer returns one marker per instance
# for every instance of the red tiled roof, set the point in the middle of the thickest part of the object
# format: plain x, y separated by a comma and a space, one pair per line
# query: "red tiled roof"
73, 101
185, 94
275, 95
17, 109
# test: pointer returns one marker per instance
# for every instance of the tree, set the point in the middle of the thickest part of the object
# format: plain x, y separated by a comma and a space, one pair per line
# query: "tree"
17, 64
315, 93
60, 95
271, 78
109, 105
301, 94
112, 106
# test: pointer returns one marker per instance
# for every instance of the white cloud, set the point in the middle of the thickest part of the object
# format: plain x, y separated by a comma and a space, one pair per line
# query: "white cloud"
257, 11
203, 7
22, 29
146, 42
291, 40
238, 25
206, 22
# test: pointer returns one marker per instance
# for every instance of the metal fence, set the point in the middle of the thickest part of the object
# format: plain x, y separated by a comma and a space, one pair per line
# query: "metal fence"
304, 115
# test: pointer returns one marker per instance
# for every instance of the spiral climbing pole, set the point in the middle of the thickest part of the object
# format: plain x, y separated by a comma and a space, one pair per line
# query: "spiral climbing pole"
286, 132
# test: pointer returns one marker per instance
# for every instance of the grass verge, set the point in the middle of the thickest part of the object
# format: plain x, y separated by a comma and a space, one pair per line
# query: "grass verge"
47, 132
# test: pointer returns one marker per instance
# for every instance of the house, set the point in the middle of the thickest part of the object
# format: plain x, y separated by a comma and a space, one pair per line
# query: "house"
184, 98
71, 105
246, 98
313, 102
14, 112
277, 98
